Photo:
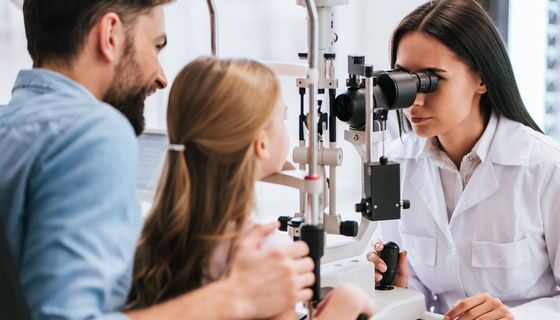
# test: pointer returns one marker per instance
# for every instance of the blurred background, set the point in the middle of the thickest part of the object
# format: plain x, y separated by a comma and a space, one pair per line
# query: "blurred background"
275, 30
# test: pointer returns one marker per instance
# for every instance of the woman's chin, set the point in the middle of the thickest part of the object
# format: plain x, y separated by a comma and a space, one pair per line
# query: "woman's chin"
423, 132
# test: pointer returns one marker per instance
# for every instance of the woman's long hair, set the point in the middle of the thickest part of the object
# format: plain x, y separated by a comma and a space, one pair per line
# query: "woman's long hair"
466, 29
216, 110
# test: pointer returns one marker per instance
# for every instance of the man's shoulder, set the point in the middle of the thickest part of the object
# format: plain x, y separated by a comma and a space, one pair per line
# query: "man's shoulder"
63, 133
44, 118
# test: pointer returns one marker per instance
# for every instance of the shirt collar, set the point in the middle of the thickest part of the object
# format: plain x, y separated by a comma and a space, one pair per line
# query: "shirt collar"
51, 81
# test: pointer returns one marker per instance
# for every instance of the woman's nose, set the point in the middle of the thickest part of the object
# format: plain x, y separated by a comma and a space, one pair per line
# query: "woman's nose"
419, 101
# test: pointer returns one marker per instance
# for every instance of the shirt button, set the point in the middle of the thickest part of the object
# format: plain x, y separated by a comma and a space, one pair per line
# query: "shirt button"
470, 158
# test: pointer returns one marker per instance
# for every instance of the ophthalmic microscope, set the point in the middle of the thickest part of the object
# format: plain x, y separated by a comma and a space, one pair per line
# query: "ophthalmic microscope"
364, 105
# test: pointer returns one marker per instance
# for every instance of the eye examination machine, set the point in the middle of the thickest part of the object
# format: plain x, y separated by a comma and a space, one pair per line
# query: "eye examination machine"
303, 159
363, 102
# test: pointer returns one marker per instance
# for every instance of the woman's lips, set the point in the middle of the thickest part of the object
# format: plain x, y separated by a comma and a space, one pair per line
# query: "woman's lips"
418, 119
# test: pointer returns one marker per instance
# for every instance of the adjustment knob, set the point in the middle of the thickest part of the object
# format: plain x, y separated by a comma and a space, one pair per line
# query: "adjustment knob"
349, 228
361, 207
283, 223
405, 204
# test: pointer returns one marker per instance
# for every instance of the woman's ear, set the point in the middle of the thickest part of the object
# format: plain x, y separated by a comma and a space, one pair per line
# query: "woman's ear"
481, 88
261, 146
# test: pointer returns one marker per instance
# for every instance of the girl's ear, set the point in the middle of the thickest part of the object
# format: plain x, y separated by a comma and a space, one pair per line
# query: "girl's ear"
261, 146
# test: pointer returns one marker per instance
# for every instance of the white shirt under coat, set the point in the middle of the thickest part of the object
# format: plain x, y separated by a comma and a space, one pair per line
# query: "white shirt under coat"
502, 234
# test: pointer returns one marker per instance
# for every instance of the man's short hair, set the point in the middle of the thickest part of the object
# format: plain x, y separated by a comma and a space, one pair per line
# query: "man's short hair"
57, 29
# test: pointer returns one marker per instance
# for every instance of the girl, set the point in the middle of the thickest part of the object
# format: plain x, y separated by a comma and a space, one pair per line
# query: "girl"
482, 232
225, 123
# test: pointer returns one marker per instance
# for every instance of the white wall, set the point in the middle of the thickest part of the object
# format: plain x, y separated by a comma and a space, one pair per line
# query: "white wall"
13, 50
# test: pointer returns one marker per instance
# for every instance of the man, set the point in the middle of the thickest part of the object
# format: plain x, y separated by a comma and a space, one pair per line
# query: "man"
68, 172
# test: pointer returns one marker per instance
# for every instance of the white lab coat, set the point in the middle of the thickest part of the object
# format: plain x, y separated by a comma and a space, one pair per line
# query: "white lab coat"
504, 235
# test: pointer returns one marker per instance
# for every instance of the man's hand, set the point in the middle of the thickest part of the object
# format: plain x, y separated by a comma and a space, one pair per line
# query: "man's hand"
401, 278
481, 307
268, 282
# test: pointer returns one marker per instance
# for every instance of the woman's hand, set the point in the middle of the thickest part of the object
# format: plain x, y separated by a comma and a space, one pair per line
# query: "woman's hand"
401, 278
482, 306
347, 301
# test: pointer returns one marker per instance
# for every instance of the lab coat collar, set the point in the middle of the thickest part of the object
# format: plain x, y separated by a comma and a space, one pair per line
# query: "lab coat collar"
484, 144
510, 144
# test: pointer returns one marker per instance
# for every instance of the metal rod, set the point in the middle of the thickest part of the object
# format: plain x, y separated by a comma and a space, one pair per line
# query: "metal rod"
332, 116
313, 57
332, 184
213, 26
313, 234
333, 146
369, 116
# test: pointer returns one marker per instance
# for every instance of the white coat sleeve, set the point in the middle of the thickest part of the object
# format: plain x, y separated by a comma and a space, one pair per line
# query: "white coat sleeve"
548, 307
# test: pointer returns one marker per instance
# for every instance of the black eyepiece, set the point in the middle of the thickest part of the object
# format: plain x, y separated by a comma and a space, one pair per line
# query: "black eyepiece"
426, 81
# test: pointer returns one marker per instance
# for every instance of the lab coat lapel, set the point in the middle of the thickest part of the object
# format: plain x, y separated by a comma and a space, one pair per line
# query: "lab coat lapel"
422, 179
481, 186
510, 146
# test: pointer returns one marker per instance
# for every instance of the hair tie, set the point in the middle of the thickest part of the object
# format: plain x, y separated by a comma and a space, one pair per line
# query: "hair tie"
176, 147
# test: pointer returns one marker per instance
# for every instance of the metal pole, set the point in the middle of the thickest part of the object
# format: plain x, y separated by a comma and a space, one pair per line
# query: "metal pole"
213, 26
312, 233
369, 116
312, 77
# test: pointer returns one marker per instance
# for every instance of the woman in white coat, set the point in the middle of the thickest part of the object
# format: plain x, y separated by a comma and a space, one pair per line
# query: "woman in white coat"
482, 236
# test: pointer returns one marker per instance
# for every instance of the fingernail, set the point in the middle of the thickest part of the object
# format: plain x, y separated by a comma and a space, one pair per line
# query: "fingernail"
382, 267
378, 277
378, 246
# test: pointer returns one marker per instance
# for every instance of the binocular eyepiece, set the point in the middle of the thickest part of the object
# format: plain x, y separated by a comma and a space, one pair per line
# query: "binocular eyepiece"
392, 90
401, 87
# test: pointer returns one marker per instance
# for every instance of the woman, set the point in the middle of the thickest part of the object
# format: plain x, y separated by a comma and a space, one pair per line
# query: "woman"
482, 232
226, 125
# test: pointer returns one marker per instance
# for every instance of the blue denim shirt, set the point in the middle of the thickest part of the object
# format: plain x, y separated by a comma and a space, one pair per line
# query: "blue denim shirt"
68, 197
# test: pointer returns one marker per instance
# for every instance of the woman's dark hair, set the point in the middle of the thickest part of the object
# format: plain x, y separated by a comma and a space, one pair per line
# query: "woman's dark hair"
466, 29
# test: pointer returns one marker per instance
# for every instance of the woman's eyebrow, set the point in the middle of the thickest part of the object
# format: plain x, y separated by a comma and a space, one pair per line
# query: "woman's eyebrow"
399, 67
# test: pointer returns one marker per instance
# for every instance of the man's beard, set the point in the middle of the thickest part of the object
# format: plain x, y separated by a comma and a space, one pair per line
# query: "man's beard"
127, 96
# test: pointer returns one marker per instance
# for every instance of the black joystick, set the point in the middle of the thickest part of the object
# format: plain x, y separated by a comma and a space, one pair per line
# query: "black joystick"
390, 255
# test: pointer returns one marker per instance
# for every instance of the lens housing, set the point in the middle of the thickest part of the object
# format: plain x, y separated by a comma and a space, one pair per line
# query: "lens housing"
394, 89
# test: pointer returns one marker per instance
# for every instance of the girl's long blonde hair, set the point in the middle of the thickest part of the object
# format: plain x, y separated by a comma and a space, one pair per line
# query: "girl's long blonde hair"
216, 110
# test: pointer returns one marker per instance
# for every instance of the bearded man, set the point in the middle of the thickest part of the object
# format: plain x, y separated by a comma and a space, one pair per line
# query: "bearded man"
68, 161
